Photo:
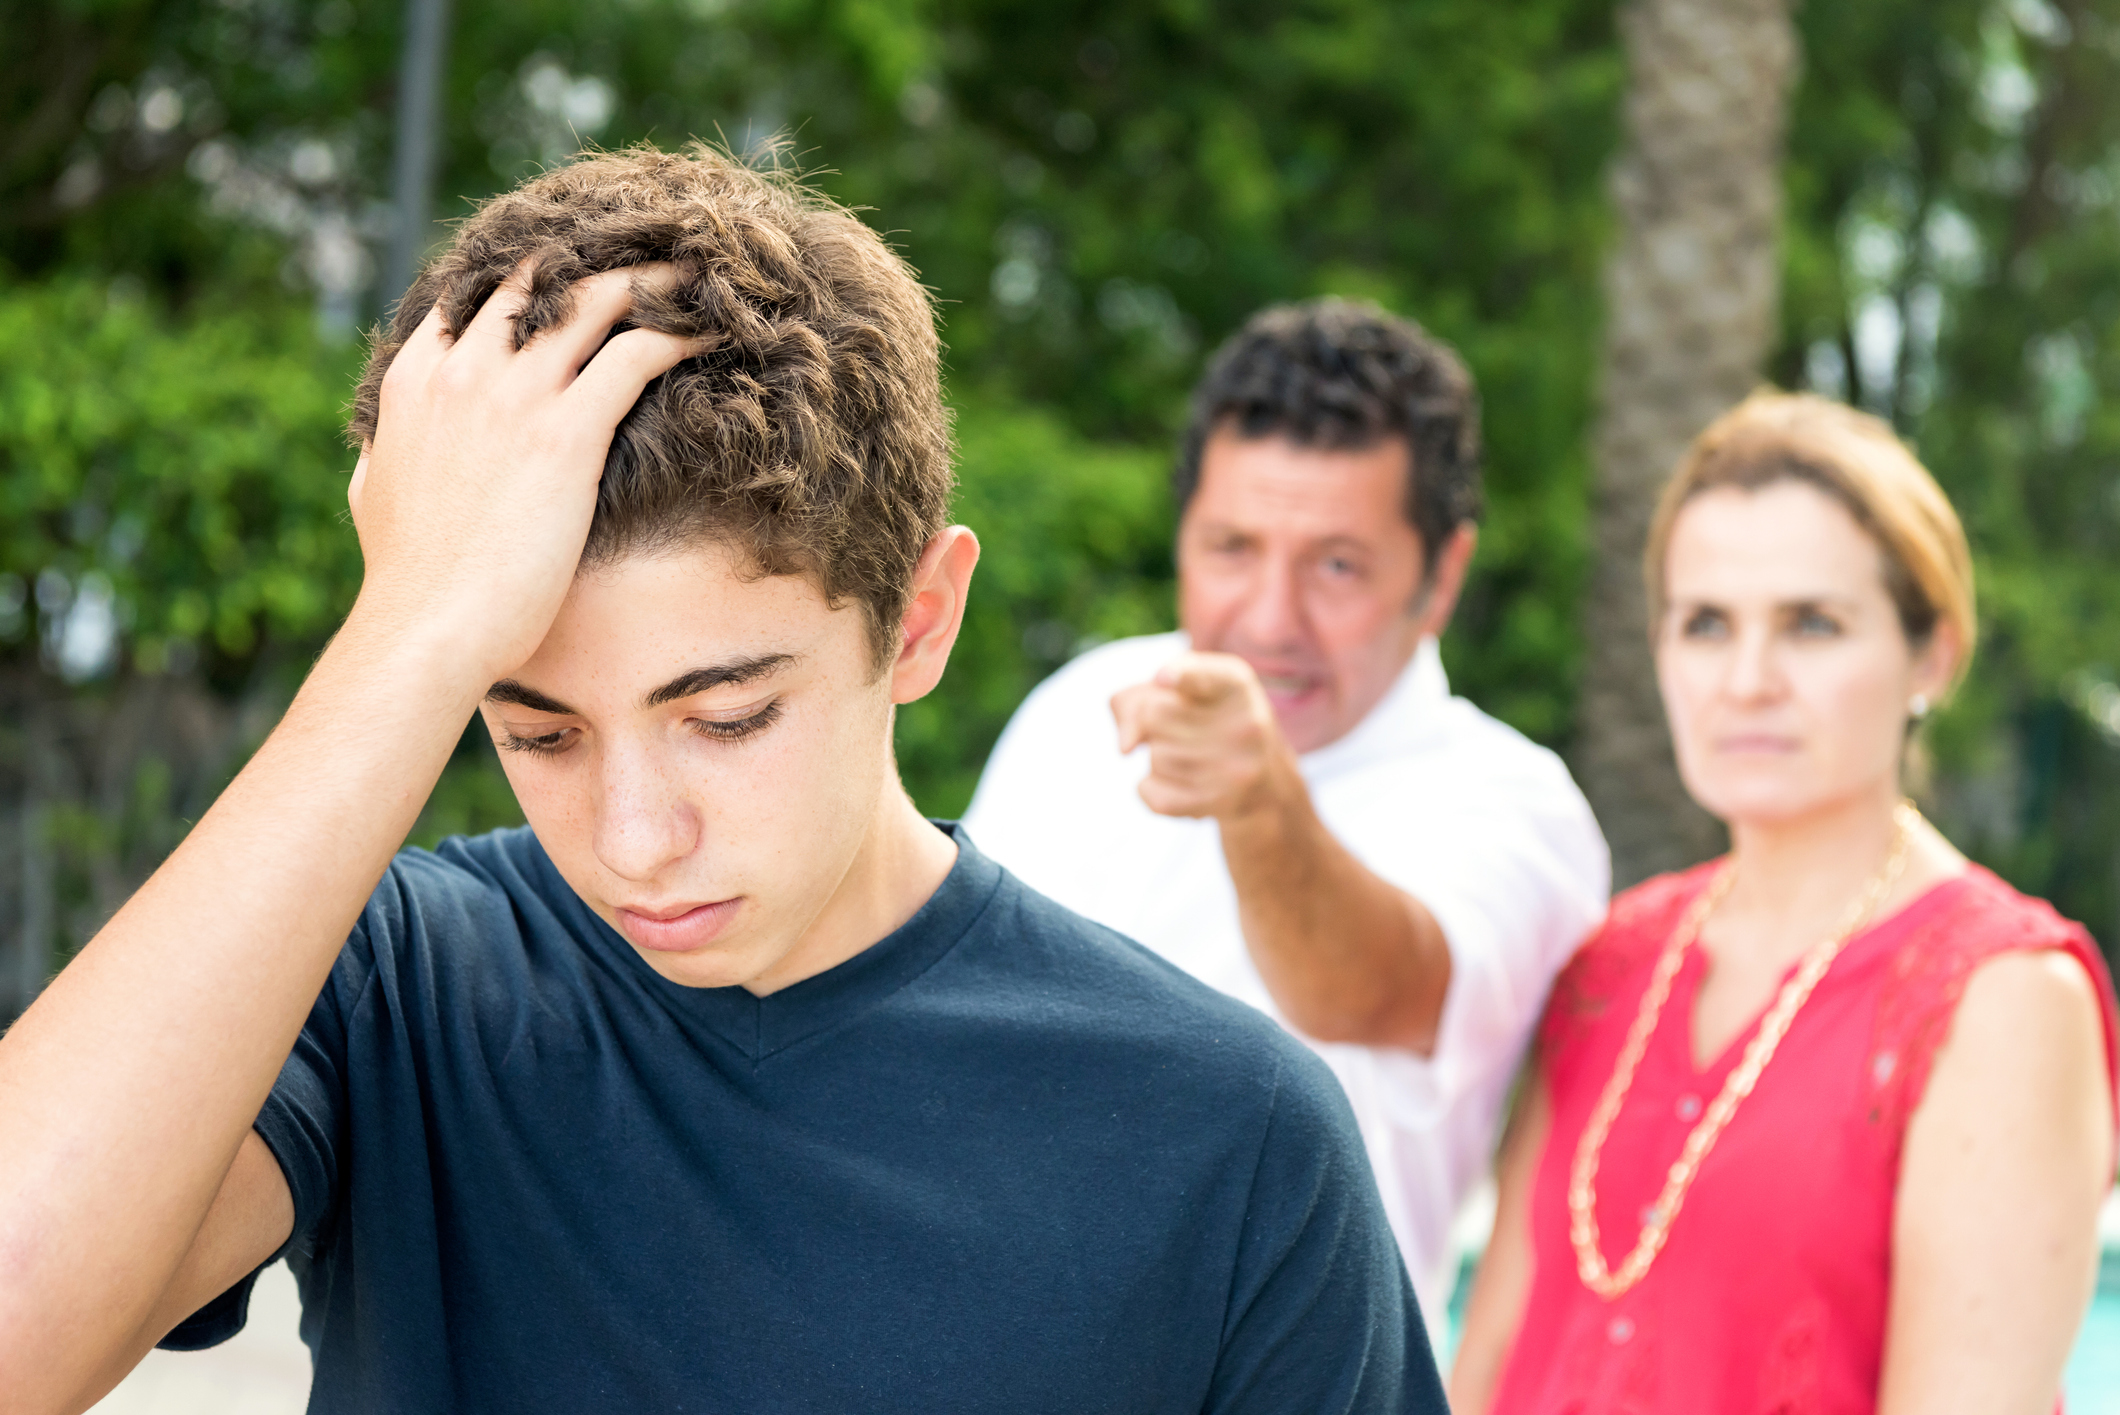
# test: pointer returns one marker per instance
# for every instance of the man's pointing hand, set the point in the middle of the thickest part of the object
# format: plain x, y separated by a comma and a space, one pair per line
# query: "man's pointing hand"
1215, 747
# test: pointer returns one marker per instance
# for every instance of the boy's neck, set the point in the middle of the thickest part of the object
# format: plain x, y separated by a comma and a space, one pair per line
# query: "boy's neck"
900, 865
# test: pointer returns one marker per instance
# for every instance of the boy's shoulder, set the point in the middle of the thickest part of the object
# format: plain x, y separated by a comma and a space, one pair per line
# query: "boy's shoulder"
1091, 987
475, 901
463, 877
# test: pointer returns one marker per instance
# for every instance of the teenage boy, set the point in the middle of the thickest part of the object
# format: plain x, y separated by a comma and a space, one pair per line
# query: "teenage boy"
730, 1083
1317, 826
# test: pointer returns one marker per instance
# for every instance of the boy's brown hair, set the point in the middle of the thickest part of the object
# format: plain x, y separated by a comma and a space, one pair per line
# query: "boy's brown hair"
811, 435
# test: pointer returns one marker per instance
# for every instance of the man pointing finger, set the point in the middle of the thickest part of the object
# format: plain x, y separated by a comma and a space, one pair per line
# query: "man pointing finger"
1347, 957
1295, 808
1214, 748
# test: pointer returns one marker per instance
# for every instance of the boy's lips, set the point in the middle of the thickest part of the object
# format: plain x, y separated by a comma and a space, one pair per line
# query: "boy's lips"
680, 928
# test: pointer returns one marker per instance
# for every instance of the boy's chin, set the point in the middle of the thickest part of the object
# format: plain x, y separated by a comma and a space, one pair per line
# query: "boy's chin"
708, 967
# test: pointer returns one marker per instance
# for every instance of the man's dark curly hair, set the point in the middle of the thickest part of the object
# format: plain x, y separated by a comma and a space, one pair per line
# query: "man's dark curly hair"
1337, 374
811, 436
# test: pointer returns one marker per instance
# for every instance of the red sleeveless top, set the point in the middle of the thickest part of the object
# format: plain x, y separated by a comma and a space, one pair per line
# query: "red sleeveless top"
1770, 1297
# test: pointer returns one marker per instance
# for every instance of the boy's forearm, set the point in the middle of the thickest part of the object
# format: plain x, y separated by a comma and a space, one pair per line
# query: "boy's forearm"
127, 1088
126, 1091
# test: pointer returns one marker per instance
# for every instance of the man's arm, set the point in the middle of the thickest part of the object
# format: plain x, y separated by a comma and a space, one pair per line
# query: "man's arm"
1347, 956
130, 1181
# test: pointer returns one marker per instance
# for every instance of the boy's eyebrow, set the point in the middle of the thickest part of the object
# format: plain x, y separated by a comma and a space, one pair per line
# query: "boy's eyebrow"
510, 691
718, 675
699, 680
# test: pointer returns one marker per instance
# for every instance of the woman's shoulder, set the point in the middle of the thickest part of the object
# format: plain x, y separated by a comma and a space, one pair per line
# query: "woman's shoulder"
1617, 956
1989, 916
1984, 930
1974, 918
1658, 901
1639, 922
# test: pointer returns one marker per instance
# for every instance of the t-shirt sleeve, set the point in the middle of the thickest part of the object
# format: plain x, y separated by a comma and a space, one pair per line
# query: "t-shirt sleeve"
302, 1123
1321, 1317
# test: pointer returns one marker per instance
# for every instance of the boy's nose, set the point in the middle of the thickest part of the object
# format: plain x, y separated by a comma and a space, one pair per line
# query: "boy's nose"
643, 819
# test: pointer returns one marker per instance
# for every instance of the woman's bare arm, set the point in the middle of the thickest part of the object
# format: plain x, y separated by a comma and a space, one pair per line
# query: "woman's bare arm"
1502, 1285
1994, 1244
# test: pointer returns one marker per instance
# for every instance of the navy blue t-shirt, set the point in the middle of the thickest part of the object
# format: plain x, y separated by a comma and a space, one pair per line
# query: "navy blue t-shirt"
1003, 1160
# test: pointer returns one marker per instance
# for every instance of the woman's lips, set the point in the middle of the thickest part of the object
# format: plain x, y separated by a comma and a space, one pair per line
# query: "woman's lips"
1768, 743
680, 932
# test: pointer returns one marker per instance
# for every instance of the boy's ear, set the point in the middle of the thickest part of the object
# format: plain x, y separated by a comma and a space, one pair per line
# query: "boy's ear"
360, 475
934, 613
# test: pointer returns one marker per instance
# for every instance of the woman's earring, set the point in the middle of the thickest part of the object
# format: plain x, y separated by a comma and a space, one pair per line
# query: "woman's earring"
1918, 706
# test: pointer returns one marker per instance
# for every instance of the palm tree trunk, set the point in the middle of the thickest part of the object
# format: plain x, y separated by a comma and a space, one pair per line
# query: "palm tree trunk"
1692, 299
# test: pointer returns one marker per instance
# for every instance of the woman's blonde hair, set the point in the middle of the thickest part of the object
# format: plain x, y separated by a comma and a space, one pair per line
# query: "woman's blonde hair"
1857, 460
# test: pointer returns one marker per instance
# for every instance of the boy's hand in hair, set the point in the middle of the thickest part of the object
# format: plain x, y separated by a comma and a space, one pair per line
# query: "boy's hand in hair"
474, 498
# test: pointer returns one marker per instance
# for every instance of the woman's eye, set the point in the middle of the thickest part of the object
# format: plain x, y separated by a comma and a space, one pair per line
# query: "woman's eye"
1812, 624
735, 730
1704, 624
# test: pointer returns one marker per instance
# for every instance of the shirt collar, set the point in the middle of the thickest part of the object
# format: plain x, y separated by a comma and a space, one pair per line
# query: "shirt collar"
1405, 715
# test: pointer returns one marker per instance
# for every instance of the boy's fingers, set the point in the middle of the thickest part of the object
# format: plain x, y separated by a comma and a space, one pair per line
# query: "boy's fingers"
612, 382
491, 333
600, 301
422, 351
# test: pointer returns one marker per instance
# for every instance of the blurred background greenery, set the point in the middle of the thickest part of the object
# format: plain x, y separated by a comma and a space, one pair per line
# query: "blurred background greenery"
194, 202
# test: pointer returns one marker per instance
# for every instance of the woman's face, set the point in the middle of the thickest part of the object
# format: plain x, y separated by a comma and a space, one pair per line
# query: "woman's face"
1784, 669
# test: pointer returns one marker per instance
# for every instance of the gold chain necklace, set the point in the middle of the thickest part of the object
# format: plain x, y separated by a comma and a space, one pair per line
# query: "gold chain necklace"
1656, 1222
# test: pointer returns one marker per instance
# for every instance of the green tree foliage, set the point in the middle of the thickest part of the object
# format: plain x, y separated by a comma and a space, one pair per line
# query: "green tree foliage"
1096, 195
1074, 549
191, 472
1954, 179
191, 199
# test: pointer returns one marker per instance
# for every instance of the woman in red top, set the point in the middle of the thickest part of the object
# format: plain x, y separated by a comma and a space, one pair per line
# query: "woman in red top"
1823, 1126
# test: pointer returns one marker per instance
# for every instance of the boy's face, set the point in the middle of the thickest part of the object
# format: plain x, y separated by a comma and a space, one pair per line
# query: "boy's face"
703, 752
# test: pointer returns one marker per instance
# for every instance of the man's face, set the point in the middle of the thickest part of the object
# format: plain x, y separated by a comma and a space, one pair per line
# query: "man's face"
702, 752
1301, 561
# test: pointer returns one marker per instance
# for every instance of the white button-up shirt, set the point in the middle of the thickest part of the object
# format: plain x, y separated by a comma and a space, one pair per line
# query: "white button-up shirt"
1482, 826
